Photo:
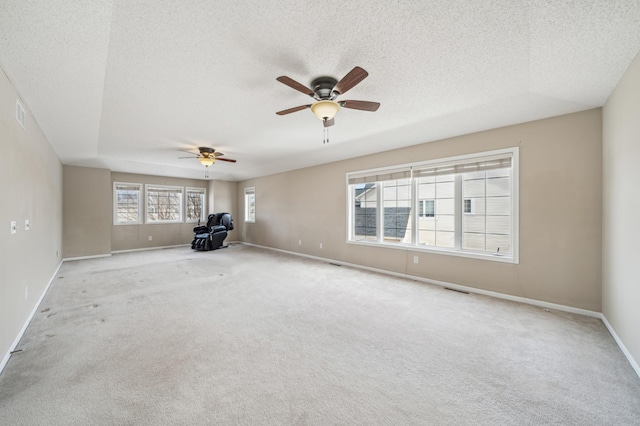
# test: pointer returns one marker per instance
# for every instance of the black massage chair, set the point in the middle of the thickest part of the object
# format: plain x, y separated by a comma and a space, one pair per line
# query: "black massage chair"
211, 236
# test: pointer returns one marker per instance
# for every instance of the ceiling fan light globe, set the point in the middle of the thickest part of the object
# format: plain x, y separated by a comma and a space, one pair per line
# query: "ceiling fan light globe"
325, 110
206, 161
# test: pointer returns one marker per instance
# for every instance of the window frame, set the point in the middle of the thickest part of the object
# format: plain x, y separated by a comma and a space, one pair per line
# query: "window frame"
512, 257
203, 212
176, 189
115, 203
249, 192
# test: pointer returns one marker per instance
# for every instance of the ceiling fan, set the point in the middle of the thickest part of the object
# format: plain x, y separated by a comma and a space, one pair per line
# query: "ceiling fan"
325, 91
207, 157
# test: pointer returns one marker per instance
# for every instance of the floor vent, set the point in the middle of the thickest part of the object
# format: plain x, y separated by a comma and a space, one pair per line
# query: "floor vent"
20, 113
459, 291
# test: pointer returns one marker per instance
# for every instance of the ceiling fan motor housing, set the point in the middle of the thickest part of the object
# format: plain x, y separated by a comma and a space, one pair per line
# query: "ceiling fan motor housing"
323, 88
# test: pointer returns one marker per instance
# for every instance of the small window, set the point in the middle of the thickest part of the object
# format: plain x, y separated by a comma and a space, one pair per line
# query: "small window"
164, 204
249, 204
468, 205
195, 204
426, 208
127, 203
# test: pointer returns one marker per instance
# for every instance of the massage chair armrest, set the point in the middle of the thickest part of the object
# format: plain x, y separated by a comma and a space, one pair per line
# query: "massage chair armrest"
218, 228
200, 229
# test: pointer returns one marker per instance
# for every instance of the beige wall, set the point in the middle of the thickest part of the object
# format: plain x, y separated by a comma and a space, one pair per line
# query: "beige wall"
224, 197
86, 212
31, 185
621, 204
560, 212
131, 237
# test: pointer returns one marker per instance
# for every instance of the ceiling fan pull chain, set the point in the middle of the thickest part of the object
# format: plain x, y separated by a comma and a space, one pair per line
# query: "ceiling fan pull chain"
325, 135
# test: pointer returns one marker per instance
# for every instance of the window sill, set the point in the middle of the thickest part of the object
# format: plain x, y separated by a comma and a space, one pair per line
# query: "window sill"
165, 222
446, 252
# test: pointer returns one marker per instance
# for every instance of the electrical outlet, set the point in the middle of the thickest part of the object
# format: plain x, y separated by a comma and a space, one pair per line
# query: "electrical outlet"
320, 245
299, 242
150, 238
415, 259
27, 225
14, 227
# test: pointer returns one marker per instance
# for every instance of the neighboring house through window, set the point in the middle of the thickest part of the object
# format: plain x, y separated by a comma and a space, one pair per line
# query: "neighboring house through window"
465, 205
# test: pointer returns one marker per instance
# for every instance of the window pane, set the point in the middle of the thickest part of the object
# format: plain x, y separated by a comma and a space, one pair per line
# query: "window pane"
426, 190
499, 206
498, 186
488, 225
164, 204
445, 189
473, 223
397, 210
127, 200
365, 211
473, 187
445, 239
195, 205
445, 222
473, 241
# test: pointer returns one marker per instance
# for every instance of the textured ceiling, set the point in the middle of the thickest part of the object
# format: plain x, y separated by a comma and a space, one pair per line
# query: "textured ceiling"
126, 84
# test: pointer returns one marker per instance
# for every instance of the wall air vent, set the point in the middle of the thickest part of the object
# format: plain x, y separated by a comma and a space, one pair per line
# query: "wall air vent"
20, 113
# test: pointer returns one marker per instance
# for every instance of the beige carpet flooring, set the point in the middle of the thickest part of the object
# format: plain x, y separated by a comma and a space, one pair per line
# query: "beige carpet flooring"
244, 336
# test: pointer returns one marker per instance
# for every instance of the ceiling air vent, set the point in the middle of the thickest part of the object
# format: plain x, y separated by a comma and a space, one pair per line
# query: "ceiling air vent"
20, 113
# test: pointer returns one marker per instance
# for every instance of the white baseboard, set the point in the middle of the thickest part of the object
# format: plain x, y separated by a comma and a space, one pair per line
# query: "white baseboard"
13, 346
623, 348
95, 256
148, 248
533, 302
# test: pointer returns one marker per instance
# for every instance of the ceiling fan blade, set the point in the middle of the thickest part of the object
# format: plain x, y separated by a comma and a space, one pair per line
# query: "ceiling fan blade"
182, 158
229, 160
354, 77
294, 109
329, 123
218, 154
361, 105
295, 85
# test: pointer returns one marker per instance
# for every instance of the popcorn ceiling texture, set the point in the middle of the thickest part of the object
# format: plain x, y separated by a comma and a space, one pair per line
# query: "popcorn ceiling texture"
124, 85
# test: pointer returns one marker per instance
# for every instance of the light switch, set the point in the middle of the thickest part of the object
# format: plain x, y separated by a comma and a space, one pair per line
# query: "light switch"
27, 225
14, 227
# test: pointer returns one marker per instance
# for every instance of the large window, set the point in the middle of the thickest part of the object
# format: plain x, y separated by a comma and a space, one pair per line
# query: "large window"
249, 204
195, 204
164, 204
127, 203
464, 205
